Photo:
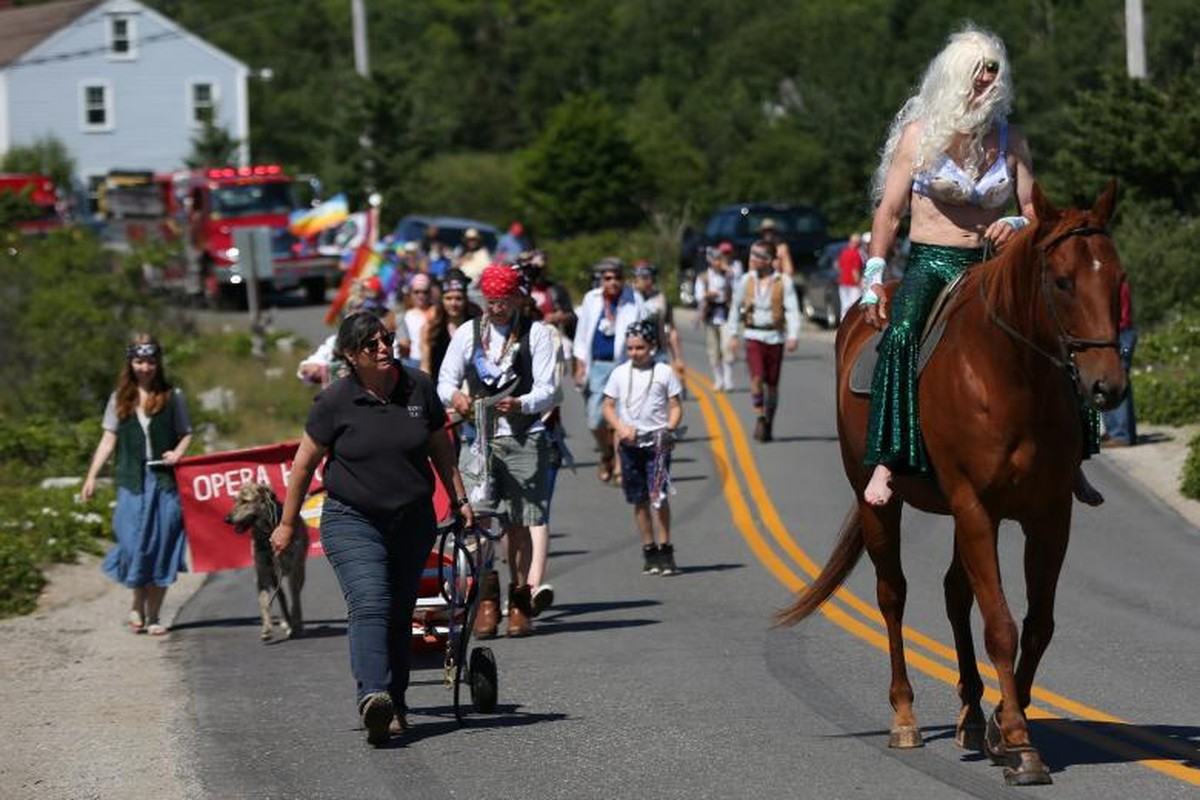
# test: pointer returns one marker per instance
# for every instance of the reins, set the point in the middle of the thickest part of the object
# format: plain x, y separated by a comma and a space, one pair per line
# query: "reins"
1068, 344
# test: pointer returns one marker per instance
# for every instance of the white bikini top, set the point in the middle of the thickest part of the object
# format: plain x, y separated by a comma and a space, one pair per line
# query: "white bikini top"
948, 183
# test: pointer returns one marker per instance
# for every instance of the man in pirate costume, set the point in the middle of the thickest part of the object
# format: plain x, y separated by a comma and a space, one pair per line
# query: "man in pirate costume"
764, 307
507, 360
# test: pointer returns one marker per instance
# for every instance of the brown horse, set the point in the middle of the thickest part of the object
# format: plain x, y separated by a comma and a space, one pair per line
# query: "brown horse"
1029, 333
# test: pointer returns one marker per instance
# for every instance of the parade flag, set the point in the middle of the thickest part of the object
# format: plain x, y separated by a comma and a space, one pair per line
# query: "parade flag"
309, 222
208, 485
366, 261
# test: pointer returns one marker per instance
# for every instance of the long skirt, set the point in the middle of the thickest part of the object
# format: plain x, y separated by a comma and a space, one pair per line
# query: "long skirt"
894, 426
150, 539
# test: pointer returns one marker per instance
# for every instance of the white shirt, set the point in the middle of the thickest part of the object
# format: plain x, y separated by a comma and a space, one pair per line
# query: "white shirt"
541, 396
629, 309
642, 395
414, 322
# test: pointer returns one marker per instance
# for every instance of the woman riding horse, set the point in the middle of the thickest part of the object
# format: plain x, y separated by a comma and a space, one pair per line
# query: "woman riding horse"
955, 163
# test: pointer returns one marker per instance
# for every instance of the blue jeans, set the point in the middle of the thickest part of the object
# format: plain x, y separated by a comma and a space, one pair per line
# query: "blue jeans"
378, 563
1120, 423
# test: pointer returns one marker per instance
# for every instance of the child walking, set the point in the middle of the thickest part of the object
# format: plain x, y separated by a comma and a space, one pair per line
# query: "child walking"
641, 403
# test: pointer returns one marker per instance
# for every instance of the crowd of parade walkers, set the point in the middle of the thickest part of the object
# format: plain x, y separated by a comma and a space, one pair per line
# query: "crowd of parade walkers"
498, 339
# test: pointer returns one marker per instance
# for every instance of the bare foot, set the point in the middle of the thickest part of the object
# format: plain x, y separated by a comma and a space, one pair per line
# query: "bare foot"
1084, 491
879, 490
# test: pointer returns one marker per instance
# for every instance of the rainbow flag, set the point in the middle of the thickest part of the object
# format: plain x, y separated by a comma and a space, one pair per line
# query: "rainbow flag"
366, 263
309, 222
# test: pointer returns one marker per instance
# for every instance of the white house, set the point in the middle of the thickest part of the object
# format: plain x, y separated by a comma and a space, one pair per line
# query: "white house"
122, 86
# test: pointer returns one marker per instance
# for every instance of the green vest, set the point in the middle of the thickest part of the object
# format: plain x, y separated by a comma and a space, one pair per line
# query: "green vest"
131, 448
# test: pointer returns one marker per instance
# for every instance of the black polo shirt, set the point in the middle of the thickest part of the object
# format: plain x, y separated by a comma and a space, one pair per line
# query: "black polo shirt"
378, 451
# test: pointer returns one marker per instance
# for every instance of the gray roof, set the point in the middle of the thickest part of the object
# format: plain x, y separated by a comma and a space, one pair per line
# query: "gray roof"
23, 28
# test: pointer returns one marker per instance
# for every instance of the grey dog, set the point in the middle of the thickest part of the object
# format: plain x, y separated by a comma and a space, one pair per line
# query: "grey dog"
257, 510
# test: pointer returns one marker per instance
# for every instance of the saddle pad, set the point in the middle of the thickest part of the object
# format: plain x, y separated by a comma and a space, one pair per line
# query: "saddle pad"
864, 366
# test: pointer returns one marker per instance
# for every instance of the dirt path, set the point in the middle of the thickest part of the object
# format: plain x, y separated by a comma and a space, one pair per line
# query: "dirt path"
89, 708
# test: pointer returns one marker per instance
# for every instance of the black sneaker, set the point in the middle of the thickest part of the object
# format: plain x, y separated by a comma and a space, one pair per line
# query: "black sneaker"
650, 560
666, 560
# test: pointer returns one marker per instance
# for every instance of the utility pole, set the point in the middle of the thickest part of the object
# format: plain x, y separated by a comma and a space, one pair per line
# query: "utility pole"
358, 13
1135, 39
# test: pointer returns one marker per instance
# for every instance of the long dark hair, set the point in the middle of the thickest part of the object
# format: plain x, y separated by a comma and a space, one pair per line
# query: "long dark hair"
127, 386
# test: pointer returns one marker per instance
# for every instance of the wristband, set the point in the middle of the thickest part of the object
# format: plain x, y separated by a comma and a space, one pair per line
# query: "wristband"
1016, 223
873, 270
462, 502
869, 298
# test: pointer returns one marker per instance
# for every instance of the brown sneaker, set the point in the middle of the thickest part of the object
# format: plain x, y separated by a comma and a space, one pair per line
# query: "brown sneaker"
377, 715
519, 611
760, 430
487, 616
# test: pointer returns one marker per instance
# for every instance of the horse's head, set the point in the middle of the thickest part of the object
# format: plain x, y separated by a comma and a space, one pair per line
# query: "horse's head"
1081, 276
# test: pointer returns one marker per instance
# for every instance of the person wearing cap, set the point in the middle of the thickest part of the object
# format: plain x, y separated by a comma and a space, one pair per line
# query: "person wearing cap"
507, 355
512, 244
642, 404
146, 424
474, 258
714, 295
669, 348
419, 302
603, 316
736, 267
769, 230
766, 310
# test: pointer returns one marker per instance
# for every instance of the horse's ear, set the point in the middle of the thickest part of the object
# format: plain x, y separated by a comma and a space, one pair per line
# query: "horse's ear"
1045, 210
1105, 203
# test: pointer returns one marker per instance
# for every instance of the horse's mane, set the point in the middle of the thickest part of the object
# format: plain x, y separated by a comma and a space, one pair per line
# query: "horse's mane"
1011, 280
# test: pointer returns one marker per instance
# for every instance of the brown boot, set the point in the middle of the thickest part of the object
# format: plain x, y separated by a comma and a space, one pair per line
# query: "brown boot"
519, 611
487, 616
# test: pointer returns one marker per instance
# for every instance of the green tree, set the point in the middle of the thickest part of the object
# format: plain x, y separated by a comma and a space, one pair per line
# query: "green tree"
46, 156
213, 146
582, 174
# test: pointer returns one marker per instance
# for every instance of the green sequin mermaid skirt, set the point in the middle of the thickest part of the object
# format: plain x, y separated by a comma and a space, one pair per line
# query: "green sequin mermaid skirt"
894, 426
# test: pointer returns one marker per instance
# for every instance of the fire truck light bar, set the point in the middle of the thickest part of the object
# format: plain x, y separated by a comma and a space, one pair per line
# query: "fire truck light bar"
245, 172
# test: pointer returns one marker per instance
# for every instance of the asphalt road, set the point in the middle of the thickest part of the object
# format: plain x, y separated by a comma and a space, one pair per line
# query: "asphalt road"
654, 687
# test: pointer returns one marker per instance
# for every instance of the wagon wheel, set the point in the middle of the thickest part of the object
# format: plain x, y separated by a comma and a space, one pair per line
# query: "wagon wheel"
459, 654
484, 684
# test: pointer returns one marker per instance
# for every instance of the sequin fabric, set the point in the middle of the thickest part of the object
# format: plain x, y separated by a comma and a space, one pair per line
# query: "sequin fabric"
894, 426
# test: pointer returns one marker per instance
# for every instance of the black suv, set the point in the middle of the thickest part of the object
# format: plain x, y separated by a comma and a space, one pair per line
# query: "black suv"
802, 227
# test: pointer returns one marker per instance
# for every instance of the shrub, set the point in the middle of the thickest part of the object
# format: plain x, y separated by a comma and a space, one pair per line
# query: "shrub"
1189, 484
1165, 376
571, 259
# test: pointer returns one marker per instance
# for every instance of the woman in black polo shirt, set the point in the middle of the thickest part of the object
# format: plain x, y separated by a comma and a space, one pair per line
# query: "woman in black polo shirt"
380, 426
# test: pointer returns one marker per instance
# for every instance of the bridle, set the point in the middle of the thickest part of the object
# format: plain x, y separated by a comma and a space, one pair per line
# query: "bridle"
1068, 344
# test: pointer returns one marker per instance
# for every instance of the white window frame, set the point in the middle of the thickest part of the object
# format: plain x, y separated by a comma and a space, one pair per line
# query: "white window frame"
191, 107
130, 21
110, 111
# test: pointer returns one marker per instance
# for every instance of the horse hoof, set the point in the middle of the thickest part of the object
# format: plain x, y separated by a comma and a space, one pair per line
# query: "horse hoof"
905, 737
265, 635
970, 737
993, 742
1029, 771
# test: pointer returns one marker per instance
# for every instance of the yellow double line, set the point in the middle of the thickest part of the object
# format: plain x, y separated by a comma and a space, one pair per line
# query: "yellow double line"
852, 614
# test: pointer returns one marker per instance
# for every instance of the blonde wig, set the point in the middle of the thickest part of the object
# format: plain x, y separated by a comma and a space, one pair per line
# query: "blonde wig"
946, 104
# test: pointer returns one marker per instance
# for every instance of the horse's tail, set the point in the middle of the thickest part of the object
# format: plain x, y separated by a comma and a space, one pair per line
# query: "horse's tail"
846, 552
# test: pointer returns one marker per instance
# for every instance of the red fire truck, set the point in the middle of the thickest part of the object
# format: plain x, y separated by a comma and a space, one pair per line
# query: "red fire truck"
214, 203
40, 191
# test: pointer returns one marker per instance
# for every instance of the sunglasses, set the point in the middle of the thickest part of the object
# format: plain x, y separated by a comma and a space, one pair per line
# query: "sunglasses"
610, 277
142, 351
384, 339
761, 254
991, 66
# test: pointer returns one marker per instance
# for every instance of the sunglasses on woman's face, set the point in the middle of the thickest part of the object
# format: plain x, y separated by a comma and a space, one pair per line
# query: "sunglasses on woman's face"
991, 66
382, 340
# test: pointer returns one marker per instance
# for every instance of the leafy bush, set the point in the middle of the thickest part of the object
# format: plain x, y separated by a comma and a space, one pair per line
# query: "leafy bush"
1158, 249
1165, 375
571, 259
1190, 482
38, 446
45, 526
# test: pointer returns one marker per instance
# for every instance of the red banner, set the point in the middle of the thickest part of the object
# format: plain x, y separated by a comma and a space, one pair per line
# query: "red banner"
208, 485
